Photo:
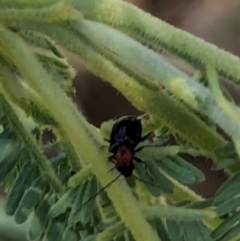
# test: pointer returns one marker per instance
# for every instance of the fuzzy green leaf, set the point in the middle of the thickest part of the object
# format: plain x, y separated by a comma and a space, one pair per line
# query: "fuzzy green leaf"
230, 188
23, 181
226, 226
40, 219
174, 231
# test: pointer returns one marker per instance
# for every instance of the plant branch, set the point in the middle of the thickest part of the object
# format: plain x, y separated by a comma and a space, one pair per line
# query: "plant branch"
149, 63
160, 35
34, 151
57, 12
178, 213
171, 112
83, 136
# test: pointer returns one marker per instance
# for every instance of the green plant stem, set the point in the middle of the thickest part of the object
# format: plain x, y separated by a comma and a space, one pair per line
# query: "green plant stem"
231, 110
149, 63
26, 3
175, 213
159, 34
182, 192
14, 89
144, 95
82, 135
57, 12
111, 232
34, 151
144, 61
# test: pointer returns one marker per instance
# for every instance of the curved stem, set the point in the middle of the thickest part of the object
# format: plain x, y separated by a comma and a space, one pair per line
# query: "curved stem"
160, 35
34, 151
84, 137
143, 94
57, 12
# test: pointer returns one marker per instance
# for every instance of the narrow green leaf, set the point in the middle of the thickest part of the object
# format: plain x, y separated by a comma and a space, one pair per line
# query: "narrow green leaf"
229, 183
144, 175
166, 185
203, 231
231, 233
221, 164
37, 112
118, 229
119, 238
55, 161
103, 226
181, 203
5, 134
199, 175
39, 40
8, 163
77, 201
227, 151
21, 184
40, 219
63, 203
179, 173
189, 231
161, 229
64, 176
7, 146
195, 231
30, 198
92, 237
69, 234
105, 207
131, 181
55, 229
201, 204
228, 189
226, 225
87, 209
174, 230
128, 236
103, 199
229, 205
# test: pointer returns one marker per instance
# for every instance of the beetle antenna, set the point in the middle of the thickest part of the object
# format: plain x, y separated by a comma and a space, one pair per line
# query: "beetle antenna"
142, 180
107, 185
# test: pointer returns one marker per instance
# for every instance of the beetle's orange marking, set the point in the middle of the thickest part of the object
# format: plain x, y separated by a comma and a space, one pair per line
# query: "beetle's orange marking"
124, 157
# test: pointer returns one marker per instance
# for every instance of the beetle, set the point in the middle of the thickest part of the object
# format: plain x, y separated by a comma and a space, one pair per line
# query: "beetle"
125, 136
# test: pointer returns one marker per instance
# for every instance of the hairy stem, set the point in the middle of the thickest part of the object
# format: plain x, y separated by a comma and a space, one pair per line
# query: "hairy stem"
83, 136
160, 35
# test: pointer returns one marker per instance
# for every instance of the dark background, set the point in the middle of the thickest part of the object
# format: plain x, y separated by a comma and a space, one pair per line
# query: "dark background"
213, 20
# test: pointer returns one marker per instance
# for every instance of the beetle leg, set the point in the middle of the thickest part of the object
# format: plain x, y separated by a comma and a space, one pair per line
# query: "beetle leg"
142, 139
110, 158
139, 149
103, 147
111, 169
139, 160
145, 137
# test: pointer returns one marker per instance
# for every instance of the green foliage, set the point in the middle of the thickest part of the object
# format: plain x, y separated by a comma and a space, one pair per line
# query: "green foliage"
182, 111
